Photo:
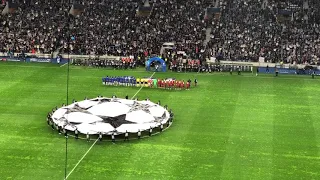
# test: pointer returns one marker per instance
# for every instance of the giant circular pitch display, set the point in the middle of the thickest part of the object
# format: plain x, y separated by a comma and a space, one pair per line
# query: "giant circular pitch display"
110, 116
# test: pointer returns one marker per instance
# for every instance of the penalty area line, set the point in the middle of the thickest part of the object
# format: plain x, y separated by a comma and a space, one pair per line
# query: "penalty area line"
81, 159
96, 139
141, 87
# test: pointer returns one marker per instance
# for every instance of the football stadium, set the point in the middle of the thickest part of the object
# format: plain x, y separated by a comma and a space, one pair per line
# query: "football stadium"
162, 89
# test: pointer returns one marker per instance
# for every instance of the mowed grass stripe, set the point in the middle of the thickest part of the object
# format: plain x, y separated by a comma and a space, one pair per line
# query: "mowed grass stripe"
294, 133
200, 158
38, 159
312, 88
163, 151
19, 149
251, 131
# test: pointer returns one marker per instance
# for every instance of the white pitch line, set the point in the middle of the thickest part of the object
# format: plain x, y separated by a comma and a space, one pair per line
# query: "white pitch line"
63, 64
141, 87
81, 159
98, 139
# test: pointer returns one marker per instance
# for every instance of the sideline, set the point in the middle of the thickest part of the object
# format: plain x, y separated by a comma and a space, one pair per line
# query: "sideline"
63, 64
141, 87
82, 158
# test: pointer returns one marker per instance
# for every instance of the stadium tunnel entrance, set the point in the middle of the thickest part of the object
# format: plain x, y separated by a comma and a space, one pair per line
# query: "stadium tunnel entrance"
162, 64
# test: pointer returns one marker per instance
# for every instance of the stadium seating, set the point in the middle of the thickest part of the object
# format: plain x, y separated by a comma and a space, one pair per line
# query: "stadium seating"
245, 31
248, 30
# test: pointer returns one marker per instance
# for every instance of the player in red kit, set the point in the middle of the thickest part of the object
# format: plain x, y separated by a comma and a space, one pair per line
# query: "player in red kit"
172, 84
161, 83
177, 85
180, 85
188, 85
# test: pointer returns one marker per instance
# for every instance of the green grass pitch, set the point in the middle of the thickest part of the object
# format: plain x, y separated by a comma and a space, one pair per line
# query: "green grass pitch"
229, 127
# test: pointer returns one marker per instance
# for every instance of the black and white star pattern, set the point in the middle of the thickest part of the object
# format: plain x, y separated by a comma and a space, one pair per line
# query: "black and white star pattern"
115, 121
140, 106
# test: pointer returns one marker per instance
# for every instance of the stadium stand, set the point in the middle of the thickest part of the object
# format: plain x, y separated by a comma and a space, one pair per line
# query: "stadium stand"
244, 30
251, 29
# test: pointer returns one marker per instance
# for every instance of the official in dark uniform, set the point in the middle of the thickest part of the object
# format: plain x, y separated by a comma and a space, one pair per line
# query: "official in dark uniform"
88, 137
113, 138
52, 124
171, 116
127, 97
48, 120
65, 132
126, 136
139, 134
100, 136
313, 74
59, 129
76, 133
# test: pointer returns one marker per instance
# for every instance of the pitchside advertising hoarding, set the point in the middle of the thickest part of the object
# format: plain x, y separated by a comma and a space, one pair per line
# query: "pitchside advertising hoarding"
45, 60
288, 71
48, 60
35, 59
10, 59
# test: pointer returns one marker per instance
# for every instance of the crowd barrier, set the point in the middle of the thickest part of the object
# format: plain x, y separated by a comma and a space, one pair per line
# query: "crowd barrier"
272, 70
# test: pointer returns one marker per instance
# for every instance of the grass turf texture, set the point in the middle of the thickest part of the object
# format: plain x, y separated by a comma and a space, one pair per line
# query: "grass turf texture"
229, 127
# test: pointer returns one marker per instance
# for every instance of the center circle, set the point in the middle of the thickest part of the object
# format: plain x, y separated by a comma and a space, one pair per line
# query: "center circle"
111, 116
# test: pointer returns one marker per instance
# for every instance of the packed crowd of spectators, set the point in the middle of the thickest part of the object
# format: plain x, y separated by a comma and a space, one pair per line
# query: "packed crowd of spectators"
106, 27
99, 63
247, 29
35, 27
251, 29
